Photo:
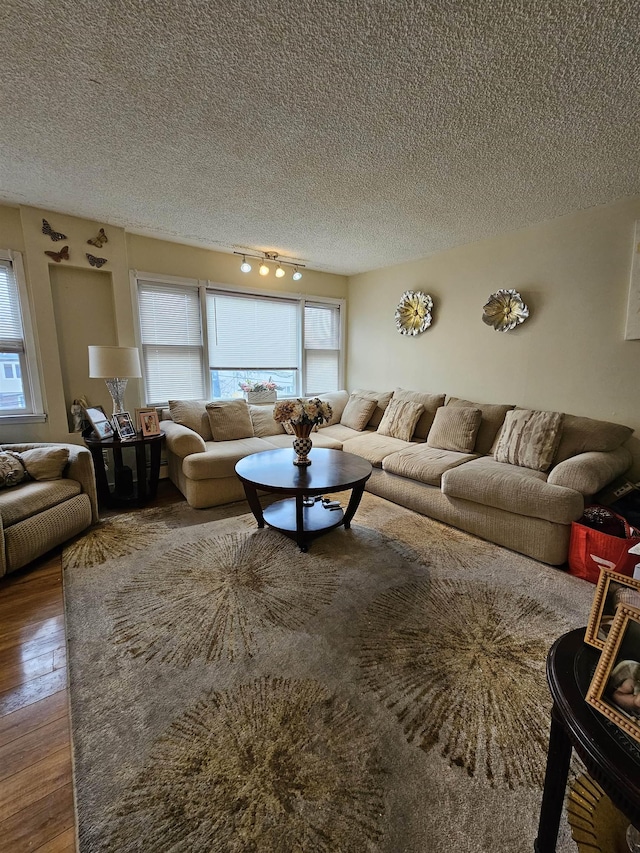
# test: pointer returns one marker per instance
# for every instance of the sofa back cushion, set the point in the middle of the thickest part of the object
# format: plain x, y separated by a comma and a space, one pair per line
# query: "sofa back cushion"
337, 400
229, 419
583, 435
192, 414
430, 403
263, 421
381, 399
493, 415
529, 439
454, 429
400, 419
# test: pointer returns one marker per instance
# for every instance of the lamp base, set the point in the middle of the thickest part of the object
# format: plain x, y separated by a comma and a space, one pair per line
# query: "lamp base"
116, 389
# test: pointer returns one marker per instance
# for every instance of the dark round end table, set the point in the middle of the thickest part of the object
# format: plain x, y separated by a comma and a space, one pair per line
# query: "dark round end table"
125, 491
611, 757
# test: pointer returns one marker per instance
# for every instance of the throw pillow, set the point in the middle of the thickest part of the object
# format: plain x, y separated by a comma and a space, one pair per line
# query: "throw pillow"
529, 438
430, 402
455, 429
263, 422
45, 463
192, 414
493, 415
357, 412
229, 419
12, 471
400, 419
382, 401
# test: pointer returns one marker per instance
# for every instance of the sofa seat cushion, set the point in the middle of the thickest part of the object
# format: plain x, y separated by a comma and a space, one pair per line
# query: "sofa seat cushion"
318, 439
509, 487
340, 432
374, 447
30, 498
424, 464
220, 457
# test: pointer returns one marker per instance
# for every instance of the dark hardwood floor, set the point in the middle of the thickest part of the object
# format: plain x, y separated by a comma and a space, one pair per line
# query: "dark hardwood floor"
36, 788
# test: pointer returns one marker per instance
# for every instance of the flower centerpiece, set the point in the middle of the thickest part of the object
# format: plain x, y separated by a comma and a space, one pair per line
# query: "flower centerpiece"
302, 416
258, 391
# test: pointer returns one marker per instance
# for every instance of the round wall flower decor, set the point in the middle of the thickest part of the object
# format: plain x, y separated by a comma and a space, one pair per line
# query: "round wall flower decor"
413, 314
504, 310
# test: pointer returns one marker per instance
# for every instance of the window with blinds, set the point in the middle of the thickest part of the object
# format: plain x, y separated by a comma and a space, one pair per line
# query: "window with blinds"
321, 347
15, 387
172, 346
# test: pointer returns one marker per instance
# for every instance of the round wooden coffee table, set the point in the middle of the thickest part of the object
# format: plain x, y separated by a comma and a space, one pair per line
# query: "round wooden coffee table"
273, 471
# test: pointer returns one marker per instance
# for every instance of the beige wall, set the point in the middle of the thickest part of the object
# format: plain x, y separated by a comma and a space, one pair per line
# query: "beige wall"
570, 355
72, 302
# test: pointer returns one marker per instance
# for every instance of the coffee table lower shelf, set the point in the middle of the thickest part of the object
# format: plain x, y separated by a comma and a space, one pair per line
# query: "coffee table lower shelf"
282, 516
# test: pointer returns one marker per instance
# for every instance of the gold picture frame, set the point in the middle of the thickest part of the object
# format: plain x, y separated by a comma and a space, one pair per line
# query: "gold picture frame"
149, 423
612, 589
615, 687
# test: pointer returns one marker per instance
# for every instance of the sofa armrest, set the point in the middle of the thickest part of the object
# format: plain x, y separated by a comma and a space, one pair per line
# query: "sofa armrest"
590, 472
181, 440
79, 468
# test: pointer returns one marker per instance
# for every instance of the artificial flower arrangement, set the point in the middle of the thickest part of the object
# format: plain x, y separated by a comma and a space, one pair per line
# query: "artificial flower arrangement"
249, 385
299, 411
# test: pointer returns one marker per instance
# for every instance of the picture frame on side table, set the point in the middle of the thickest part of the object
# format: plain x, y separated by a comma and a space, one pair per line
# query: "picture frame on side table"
124, 425
612, 589
149, 423
102, 426
615, 686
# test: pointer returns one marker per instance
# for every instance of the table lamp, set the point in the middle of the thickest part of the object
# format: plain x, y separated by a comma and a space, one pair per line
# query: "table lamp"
116, 365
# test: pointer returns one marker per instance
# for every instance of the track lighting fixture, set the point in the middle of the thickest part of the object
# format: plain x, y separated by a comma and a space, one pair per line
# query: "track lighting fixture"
271, 257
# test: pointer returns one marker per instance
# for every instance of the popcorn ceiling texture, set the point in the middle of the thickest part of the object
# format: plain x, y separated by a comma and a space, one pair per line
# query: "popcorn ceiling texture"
349, 135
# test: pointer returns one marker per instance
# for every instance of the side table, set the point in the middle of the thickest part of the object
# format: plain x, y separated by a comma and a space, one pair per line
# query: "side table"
138, 494
611, 757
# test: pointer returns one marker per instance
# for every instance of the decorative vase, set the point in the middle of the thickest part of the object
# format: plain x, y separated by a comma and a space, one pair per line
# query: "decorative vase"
302, 444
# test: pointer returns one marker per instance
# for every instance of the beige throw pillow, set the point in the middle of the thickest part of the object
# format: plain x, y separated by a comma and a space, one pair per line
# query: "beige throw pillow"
263, 422
529, 439
45, 463
192, 414
430, 404
12, 470
455, 429
382, 401
400, 419
229, 419
493, 415
357, 412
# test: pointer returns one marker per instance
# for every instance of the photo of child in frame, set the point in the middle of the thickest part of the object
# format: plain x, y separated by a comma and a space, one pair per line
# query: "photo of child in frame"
617, 593
624, 686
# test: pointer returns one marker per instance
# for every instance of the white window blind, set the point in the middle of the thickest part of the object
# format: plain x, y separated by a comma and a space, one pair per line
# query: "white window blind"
172, 347
11, 335
321, 347
252, 332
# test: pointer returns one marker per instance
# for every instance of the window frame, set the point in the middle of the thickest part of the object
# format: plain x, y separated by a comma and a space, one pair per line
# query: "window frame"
28, 359
208, 286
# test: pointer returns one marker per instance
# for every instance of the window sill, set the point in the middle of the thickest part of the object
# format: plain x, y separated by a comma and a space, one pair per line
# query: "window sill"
7, 420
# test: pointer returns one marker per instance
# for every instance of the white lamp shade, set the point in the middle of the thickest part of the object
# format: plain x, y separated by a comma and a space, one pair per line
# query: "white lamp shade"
111, 362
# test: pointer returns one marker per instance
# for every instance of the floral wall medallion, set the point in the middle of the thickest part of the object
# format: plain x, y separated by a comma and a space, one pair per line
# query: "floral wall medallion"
413, 314
504, 310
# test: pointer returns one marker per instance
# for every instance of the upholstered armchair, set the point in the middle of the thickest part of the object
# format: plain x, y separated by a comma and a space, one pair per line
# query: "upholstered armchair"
55, 501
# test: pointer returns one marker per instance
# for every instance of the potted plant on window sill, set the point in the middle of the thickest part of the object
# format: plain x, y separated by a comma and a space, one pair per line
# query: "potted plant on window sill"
259, 393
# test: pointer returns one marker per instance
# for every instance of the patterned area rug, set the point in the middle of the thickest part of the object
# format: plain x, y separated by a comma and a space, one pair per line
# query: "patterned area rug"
383, 693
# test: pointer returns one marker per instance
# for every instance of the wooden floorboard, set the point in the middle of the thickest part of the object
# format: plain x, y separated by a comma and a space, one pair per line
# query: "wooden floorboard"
36, 785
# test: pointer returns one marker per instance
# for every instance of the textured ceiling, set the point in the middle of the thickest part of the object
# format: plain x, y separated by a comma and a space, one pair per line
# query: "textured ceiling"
351, 135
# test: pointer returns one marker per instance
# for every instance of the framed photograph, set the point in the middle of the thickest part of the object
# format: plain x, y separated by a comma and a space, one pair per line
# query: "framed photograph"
124, 425
612, 589
615, 686
150, 423
100, 422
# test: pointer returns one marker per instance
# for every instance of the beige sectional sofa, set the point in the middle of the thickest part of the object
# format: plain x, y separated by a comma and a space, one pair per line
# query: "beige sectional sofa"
514, 476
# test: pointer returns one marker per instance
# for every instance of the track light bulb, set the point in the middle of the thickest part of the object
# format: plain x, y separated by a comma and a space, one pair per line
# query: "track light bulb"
297, 275
264, 269
279, 271
245, 266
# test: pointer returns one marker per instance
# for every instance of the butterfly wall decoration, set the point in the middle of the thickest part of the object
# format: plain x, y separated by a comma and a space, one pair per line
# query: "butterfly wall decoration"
48, 230
100, 240
62, 255
96, 262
